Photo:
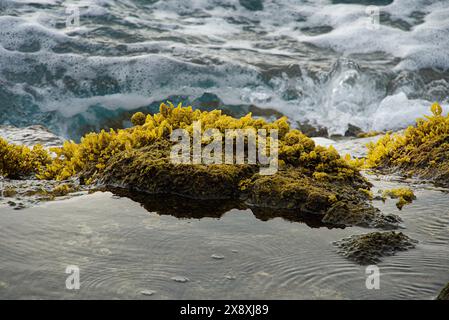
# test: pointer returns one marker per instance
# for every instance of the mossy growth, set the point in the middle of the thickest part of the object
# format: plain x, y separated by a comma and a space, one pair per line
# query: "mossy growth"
421, 151
63, 189
21, 161
368, 193
444, 294
371, 247
29, 192
404, 196
369, 134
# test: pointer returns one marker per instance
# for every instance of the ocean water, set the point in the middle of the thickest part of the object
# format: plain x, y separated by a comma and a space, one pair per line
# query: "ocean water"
81, 65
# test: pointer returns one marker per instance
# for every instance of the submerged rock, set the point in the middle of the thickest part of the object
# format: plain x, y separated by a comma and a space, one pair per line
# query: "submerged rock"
29, 192
444, 294
371, 247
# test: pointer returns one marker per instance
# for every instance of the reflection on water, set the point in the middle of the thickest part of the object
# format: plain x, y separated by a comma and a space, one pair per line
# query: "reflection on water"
124, 249
181, 207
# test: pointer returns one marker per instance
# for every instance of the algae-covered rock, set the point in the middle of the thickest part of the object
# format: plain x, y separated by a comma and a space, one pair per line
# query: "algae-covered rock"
30, 192
421, 151
307, 178
371, 247
444, 294
360, 214
149, 170
310, 178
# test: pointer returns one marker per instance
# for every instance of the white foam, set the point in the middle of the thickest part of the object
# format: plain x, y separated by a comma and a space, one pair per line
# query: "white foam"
397, 111
423, 46
227, 59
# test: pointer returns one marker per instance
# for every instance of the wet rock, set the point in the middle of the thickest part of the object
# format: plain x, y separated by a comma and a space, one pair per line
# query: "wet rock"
316, 30
30, 136
438, 90
353, 131
32, 192
371, 247
150, 170
312, 131
408, 82
444, 294
347, 214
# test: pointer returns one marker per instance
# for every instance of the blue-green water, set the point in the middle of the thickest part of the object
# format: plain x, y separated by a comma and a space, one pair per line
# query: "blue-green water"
329, 63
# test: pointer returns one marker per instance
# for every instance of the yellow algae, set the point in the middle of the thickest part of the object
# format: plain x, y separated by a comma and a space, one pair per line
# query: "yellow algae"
95, 149
422, 150
19, 161
369, 134
404, 196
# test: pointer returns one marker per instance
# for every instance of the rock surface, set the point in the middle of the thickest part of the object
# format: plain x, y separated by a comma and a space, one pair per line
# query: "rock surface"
444, 294
371, 247
30, 136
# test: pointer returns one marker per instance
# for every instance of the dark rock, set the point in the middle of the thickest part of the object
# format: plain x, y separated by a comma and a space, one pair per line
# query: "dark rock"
312, 131
353, 131
444, 294
252, 5
371, 247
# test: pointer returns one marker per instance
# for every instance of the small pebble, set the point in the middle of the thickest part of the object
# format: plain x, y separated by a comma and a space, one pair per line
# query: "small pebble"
147, 292
180, 279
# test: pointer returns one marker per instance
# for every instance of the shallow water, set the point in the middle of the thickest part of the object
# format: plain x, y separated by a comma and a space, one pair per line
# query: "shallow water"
122, 249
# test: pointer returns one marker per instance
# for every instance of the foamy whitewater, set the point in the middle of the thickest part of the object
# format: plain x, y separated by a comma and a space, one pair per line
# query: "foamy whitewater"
327, 63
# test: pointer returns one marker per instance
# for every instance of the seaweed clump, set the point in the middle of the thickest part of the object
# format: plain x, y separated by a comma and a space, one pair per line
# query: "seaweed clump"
421, 151
21, 161
404, 196
371, 247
